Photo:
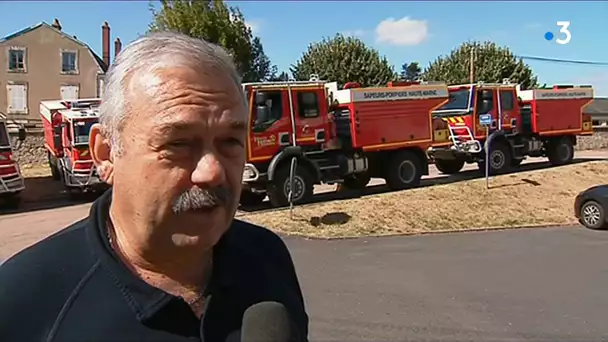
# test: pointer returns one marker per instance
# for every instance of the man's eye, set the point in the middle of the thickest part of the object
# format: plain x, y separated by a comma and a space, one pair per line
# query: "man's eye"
233, 142
179, 143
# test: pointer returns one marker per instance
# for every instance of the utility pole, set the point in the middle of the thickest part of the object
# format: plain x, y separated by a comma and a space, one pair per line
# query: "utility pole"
471, 65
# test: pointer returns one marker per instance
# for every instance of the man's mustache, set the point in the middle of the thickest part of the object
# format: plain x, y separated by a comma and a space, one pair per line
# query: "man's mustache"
197, 199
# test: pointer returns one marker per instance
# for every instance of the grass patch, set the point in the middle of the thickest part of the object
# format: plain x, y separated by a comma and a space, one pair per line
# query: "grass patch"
35, 170
521, 199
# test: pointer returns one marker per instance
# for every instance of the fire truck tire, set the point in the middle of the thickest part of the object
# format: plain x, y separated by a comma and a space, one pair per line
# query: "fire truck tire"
449, 166
500, 159
53, 166
250, 198
404, 171
355, 182
279, 190
561, 152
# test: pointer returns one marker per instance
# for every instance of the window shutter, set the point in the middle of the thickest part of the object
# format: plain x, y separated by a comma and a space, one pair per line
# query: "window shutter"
9, 98
17, 98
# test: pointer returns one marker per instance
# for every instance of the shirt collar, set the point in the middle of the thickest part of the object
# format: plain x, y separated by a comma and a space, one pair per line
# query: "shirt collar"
145, 300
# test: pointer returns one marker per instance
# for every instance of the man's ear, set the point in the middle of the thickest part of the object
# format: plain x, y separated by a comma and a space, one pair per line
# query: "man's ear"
101, 153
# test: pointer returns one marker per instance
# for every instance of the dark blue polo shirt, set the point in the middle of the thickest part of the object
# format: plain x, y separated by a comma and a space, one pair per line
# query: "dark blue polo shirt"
71, 286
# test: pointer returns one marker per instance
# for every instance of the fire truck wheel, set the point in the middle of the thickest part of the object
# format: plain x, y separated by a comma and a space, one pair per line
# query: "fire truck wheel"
449, 167
250, 198
500, 159
303, 186
53, 166
404, 171
561, 152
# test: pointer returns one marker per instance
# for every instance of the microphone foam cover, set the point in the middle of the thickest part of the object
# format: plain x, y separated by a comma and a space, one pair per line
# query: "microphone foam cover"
267, 322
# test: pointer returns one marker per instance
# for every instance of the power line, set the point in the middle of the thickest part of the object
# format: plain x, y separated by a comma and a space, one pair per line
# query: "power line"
566, 61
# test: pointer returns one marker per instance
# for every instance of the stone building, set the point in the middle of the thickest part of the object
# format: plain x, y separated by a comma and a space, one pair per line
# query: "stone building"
43, 62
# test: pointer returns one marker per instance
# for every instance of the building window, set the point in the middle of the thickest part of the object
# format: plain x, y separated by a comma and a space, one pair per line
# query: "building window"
69, 92
17, 98
16, 59
69, 62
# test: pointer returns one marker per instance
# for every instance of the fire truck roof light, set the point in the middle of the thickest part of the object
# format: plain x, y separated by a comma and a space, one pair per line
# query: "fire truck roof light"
350, 85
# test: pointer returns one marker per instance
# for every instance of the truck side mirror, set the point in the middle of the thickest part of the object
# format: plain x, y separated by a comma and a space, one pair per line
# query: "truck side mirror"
21, 134
260, 98
262, 114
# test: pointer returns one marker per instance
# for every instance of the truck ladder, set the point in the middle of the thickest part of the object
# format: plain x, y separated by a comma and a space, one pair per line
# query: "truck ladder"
469, 145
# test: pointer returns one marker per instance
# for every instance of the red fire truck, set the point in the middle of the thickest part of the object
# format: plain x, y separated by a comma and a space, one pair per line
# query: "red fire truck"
11, 180
341, 136
522, 123
66, 137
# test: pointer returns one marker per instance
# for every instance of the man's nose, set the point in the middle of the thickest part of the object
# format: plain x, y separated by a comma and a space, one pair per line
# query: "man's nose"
209, 172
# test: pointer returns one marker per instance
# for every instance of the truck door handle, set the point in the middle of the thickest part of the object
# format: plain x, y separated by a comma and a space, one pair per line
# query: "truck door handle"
305, 128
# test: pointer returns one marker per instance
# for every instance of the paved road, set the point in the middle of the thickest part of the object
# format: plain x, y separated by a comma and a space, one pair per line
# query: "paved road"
20, 230
543, 284
521, 285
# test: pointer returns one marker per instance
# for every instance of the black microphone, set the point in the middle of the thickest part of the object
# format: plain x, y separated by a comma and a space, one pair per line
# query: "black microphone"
268, 322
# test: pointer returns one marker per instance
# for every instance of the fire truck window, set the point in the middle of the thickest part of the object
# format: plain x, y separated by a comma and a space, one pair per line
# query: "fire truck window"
458, 100
480, 103
68, 132
81, 132
274, 103
4, 141
506, 100
308, 104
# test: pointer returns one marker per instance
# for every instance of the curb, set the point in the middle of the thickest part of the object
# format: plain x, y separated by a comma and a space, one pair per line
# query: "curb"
434, 232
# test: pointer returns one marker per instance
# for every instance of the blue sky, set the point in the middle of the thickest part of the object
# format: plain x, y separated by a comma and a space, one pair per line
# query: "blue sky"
401, 30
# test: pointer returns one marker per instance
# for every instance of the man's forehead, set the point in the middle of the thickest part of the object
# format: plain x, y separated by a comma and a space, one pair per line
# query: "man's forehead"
167, 81
175, 123
167, 93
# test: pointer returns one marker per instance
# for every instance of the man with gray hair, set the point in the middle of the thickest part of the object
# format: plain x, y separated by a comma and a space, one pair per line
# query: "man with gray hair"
160, 256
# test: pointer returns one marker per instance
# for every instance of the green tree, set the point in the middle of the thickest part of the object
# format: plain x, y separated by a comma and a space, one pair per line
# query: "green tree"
282, 77
217, 23
410, 72
344, 59
492, 64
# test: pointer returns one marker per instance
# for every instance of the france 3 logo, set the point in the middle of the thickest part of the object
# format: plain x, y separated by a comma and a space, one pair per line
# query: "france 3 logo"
565, 36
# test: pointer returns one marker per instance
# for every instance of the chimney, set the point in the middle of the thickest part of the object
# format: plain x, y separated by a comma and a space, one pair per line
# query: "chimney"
105, 43
117, 47
56, 24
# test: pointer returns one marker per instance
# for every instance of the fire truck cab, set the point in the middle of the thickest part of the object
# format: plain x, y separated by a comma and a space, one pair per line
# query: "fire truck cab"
66, 133
535, 123
11, 180
337, 136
